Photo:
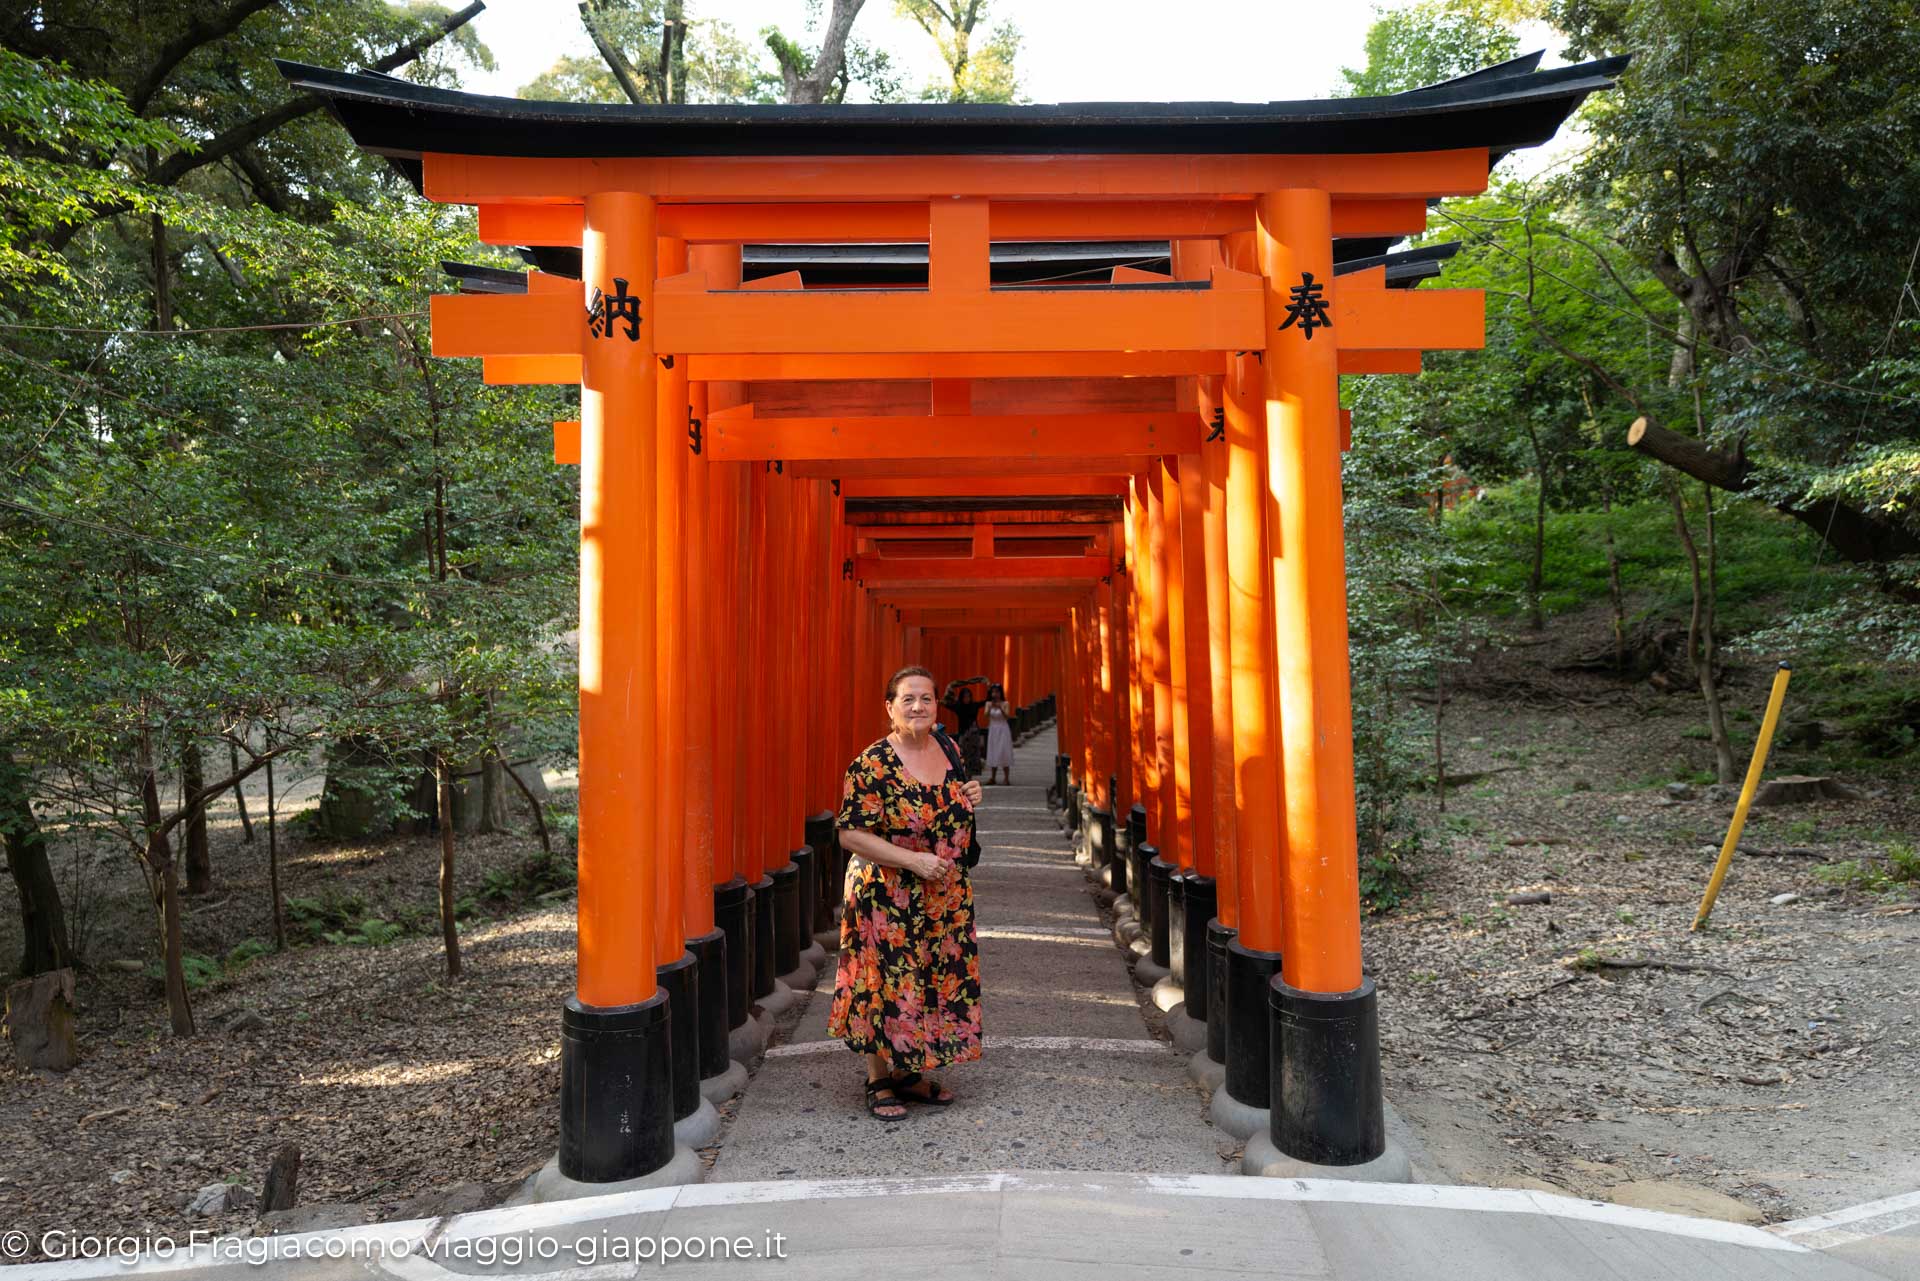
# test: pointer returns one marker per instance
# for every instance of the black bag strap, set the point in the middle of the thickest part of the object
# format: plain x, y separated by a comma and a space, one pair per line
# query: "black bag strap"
948, 746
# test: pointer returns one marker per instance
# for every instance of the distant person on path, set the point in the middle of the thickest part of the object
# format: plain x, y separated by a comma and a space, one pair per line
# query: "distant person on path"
999, 735
966, 714
907, 992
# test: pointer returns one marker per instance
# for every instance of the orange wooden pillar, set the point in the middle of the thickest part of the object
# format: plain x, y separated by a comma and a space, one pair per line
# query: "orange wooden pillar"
616, 1071
675, 672
1254, 953
1124, 692
1176, 846
784, 624
1165, 822
1326, 1100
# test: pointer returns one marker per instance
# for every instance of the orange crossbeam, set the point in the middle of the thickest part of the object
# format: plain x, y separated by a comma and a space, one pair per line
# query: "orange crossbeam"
479, 180
985, 487
1008, 221
861, 397
848, 469
742, 438
521, 371
1379, 362
1227, 317
876, 571
542, 324
827, 366
1367, 316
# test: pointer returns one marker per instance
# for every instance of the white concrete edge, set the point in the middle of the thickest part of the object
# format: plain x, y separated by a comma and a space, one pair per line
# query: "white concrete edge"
1433, 1196
1855, 1223
420, 1234
1092, 1044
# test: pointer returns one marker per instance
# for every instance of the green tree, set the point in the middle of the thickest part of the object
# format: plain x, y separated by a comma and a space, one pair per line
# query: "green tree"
980, 67
1758, 160
1426, 43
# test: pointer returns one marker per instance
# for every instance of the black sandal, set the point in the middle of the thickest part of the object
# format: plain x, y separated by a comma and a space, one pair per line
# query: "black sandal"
908, 1080
874, 1102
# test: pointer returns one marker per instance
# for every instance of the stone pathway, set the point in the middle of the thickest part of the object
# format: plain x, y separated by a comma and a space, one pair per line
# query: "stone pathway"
1071, 1079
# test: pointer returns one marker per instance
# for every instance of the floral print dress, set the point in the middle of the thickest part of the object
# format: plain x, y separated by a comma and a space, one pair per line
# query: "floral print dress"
908, 985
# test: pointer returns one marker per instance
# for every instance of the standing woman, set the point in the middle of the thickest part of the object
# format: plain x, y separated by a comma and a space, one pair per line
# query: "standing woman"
907, 992
999, 736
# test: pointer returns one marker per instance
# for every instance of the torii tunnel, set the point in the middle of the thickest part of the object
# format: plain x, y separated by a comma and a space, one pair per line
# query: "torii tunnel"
849, 399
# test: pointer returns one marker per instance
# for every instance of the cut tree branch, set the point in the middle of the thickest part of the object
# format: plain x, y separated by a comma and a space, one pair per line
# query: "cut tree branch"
1852, 533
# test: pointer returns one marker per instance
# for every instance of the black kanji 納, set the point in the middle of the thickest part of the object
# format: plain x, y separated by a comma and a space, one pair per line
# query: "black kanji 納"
607, 310
1307, 305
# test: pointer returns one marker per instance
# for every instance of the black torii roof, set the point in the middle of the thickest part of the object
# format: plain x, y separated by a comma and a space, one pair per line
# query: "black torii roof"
1503, 108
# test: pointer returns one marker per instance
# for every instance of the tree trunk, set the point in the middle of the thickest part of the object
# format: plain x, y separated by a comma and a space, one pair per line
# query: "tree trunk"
273, 866
1860, 537
493, 796
43, 919
1535, 620
533, 803
240, 795
450, 936
1723, 764
163, 878
1701, 623
194, 841
1615, 596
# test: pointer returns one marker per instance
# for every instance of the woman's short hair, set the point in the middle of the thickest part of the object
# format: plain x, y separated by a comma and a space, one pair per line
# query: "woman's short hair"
893, 682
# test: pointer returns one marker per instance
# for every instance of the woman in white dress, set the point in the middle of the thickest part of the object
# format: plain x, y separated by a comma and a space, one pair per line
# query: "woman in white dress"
999, 735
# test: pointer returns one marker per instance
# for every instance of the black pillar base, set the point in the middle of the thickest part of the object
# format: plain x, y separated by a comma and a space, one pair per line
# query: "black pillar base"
680, 980
1073, 809
1249, 1024
1327, 1105
765, 911
1100, 840
806, 893
616, 1090
733, 915
1201, 900
710, 958
1159, 887
786, 919
1218, 936
1176, 961
1139, 882
828, 869
1136, 827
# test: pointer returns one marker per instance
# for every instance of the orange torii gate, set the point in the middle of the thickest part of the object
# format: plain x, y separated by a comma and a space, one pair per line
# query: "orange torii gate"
1121, 499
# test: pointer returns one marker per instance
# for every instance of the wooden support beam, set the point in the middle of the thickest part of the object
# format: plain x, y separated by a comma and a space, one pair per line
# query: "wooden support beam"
1227, 317
521, 371
878, 571
1379, 362
957, 246
741, 437
950, 527
507, 324
566, 442
1013, 365
1367, 316
479, 180
1007, 221
847, 470
985, 487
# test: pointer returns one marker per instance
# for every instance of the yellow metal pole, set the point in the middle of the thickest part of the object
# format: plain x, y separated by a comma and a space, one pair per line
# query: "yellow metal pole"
1758, 763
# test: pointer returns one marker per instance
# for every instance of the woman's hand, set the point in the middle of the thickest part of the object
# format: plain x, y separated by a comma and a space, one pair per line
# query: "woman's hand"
971, 790
927, 867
